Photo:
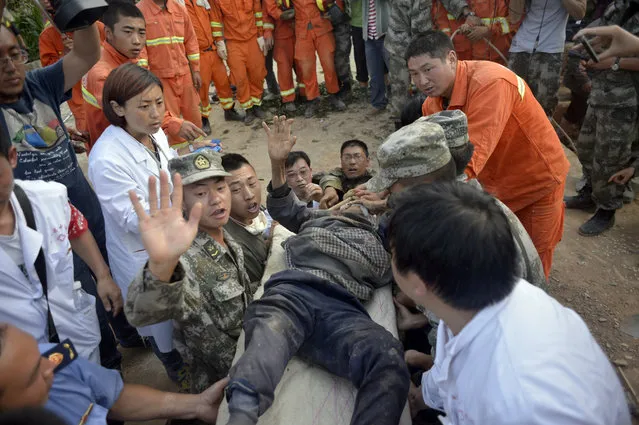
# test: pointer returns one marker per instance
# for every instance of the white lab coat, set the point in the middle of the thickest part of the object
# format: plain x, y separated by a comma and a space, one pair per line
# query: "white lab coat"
526, 360
119, 163
23, 302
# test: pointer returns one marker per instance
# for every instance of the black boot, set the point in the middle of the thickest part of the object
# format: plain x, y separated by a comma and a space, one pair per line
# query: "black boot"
232, 115
337, 103
206, 127
581, 201
311, 107
598, 223
258, 112
250, 117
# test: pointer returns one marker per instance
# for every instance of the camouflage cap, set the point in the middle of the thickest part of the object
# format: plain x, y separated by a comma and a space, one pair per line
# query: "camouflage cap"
198, 166
455, 125
412, 151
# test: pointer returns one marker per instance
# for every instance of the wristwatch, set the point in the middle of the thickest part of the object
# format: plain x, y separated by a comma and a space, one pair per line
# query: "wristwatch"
615, 66
471, 13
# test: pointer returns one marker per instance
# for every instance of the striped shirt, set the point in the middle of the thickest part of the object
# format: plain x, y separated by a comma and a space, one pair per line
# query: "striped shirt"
372, 20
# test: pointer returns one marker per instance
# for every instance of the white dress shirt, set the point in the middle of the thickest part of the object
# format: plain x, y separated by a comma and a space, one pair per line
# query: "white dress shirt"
525, 360
119, 163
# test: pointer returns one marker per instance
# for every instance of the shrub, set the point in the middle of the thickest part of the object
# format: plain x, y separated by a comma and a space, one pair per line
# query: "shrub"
28, 19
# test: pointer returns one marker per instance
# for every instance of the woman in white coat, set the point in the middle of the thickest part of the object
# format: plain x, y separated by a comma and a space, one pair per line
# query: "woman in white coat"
129, 151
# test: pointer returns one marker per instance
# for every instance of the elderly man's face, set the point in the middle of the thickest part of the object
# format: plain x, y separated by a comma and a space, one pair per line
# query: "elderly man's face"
12, 67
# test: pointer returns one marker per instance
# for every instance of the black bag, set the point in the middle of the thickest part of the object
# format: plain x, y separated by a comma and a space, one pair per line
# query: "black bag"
71, 15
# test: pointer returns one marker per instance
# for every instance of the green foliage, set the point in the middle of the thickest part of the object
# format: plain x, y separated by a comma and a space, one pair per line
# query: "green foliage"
28, 19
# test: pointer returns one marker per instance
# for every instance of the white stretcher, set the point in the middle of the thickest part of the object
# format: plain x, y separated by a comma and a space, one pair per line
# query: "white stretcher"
307, 394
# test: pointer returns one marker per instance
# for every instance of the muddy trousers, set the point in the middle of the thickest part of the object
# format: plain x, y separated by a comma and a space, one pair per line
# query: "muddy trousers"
305, 49
213, 69
284, 55
248, 70
300, 314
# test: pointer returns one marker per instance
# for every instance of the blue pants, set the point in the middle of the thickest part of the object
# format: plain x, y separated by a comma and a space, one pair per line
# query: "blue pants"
300, 314
377, 63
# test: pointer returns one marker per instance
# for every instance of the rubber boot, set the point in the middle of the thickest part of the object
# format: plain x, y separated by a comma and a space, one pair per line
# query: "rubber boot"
311, 108
581, 201
258, 112
337, 103
290, 107
249, 117
206, 126
598, 223
232, 115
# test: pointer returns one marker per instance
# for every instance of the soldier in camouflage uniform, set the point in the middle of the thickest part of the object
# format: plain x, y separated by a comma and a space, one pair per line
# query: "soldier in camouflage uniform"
610, 127
542, 73
342, 32
207, 290
408, 20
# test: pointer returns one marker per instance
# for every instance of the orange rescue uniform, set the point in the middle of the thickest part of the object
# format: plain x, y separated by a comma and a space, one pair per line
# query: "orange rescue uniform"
174, 53
283, 49
494, 15
518, 157
93, 85
51, 51
314, 33
240, 22
212, 68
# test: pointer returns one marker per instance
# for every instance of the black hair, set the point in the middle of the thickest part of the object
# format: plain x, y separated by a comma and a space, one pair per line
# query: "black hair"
435, 44
462, 156
412, 110
457, 240
119, 9
234, 161
5, 142
30, 416
354, 143
294, 156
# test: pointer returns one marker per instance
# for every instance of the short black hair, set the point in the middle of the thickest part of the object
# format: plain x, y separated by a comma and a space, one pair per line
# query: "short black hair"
294, 156
457, 240
5, 142
354, 143
119, 9
462, 156
435, 44
412, 110
234, 161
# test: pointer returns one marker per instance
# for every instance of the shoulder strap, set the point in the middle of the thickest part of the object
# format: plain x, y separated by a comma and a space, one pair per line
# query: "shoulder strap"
40, 264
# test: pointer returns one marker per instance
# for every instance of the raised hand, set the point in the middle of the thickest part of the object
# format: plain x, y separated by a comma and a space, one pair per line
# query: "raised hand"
615, 40
165, 233
280, 141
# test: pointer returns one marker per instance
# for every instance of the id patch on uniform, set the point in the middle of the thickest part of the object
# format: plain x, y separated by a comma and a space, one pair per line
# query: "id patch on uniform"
61, 355
201, 162
212, 250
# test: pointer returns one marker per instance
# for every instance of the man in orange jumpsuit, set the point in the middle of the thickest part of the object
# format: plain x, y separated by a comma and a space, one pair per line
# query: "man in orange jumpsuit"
279, 31
125, 30
174, 56
470, 41
314, 33
211, 66
241, 23
53, 46
518, 157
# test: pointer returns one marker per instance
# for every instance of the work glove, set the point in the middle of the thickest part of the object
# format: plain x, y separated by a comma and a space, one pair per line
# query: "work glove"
260, 42
221, 50
287, 15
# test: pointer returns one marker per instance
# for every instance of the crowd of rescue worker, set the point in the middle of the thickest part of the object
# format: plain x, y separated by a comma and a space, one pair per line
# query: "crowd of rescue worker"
165, 243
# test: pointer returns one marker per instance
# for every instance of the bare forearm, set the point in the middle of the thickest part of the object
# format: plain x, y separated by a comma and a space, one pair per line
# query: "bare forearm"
142, 403
87, 249
278, 173
516, 11
575, 8
86, 42
629, 64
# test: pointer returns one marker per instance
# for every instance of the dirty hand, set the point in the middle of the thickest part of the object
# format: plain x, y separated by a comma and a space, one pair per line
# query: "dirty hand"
197, 80
313, 192
110, 294
477, 33
373, 206
280, 141
367, 195
418, 359
601, 65
622, 177
165, 233
190, 131
473, 21
221, 50
262, 45
329, 199
406, 319
78, 136
210, 400
287, 15
618, 41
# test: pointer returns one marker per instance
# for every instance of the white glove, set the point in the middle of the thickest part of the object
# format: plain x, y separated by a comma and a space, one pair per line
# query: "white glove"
260, 42
221, 50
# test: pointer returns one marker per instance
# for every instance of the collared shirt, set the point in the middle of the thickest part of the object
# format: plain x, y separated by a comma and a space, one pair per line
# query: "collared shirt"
206, 299
83, 392
342, 184
525, 360
518, 157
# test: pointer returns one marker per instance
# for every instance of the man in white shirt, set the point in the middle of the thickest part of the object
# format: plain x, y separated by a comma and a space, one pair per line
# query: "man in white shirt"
507, 353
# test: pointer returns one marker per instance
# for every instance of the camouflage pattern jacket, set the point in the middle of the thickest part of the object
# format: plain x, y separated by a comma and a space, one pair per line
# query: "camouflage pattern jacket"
410, 18
337, 180
206, 300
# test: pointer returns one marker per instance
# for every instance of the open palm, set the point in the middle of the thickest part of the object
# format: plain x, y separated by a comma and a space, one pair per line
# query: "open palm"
165, 233
280, 141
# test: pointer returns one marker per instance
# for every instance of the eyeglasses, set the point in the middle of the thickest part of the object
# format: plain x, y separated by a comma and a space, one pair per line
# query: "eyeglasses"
357, 157
18, 58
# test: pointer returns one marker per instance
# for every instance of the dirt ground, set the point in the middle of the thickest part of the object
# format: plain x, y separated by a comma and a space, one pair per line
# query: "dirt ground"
597, 277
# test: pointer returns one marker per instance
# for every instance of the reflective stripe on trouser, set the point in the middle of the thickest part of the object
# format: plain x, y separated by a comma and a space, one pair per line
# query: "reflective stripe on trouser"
247, 71
305, 50
213, 69
76, 104
284, 55
182, 100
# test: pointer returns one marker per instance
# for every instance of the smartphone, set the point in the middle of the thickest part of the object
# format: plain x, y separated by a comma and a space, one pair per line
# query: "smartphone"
589, 49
